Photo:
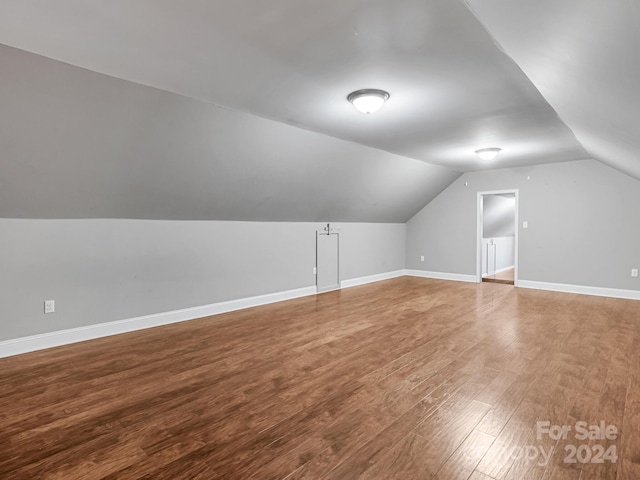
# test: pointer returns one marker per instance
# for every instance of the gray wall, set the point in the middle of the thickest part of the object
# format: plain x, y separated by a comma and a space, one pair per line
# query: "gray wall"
584, 227
103, 270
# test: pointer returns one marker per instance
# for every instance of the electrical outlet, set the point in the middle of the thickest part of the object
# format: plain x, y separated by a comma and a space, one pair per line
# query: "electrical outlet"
49, 306
422, 258
634, 272
315, 270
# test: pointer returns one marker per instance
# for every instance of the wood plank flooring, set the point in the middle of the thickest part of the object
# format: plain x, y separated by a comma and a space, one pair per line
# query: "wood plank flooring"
507, 277
404, 379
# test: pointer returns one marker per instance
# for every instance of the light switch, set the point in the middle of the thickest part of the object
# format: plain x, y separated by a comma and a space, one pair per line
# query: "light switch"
525, 224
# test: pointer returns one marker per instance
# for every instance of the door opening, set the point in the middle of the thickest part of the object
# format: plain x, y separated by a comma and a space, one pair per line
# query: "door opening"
497, 240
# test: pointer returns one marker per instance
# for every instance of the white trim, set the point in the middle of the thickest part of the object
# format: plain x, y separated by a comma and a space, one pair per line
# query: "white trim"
498, 271
64, 337
457, 277
18, 346
354, 282
581, 289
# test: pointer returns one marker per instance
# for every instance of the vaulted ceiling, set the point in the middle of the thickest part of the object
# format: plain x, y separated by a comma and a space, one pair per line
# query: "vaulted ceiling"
260, 128
584, 58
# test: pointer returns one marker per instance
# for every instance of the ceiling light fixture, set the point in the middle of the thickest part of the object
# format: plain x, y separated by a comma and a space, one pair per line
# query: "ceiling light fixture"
488, 153
368, 100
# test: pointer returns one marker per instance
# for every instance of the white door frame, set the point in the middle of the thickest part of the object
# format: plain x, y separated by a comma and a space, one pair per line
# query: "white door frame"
479, 233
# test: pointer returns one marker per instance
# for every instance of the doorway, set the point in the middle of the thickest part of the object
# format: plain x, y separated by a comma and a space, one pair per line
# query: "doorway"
497, 239
327, 260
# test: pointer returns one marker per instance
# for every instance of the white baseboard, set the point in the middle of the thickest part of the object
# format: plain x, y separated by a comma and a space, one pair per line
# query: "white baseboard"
354, 282
581, 289
457, 277
43, 341
64, 337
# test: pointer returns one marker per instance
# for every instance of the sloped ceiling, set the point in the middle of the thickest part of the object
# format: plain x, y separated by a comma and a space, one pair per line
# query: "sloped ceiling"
77, 144
584, 57
260, 128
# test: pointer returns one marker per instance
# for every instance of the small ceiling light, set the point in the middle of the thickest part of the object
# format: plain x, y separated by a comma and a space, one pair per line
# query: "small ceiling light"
488, 153
368, 100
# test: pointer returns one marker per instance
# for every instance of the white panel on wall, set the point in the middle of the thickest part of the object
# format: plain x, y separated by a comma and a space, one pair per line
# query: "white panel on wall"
491, 258
328, 262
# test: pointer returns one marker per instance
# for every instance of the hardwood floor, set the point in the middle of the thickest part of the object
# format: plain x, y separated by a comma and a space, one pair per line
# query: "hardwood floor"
507, 277
404, 379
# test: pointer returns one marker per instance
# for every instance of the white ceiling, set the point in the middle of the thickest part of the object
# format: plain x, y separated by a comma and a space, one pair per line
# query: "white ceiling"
452, 88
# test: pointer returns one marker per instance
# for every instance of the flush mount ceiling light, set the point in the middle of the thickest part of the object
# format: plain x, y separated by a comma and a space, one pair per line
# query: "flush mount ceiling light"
369, 100
488, 153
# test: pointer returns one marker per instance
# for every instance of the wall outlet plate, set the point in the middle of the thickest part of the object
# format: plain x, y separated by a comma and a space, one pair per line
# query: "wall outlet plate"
634, 272
49, 306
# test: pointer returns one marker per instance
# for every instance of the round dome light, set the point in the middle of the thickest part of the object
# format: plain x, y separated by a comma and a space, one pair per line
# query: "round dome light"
488, 153
368, 100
